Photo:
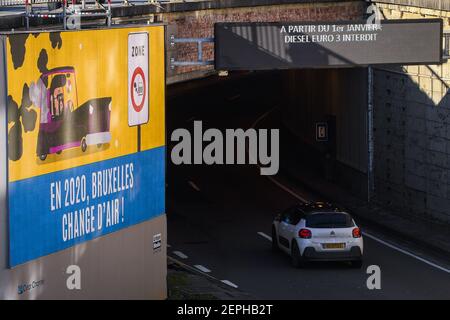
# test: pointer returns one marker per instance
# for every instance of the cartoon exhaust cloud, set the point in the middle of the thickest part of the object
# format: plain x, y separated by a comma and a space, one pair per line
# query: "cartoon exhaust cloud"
21, 117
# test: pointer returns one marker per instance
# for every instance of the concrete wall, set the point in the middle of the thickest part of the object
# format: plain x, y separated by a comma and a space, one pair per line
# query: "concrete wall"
412, 132
326, 94
200, 23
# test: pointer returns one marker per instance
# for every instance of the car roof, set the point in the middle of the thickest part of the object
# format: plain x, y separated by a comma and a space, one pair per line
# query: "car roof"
320, 207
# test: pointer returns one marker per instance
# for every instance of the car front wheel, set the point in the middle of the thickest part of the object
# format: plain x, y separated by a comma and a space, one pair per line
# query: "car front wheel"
296, 258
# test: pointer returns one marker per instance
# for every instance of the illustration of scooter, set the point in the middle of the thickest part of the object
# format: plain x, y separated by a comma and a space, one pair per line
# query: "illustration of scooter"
63, 124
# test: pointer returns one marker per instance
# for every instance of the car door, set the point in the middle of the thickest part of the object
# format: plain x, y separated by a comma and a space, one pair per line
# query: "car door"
283, 228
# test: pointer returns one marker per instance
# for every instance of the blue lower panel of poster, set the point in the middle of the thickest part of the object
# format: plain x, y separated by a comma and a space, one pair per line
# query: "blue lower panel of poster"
55, 211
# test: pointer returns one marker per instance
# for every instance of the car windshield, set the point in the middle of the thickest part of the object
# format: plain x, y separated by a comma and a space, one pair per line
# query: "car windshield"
329, 220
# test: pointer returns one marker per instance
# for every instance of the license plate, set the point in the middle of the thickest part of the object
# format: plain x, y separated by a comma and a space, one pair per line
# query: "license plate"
333, 245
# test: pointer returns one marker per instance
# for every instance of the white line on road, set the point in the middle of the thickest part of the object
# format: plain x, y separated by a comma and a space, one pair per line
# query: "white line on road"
202, 273
202, 268
262, 117
279, 184
194, 186
292, 193
265, 236
180, 254
406, 252
236, 96
231, 284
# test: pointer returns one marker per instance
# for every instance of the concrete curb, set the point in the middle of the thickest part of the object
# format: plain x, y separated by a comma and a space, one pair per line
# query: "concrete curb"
229, 291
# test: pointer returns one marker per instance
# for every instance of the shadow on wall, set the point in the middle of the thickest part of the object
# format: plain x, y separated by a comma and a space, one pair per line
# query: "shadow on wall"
412, 142
250, 47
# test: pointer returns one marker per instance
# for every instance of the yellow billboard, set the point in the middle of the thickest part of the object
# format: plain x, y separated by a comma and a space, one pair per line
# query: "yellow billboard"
86, 135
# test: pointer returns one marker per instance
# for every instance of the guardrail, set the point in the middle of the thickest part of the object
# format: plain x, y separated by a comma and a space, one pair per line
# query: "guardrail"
14, 3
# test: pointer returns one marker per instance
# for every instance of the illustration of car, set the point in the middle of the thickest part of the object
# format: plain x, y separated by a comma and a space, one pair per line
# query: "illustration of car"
63, 123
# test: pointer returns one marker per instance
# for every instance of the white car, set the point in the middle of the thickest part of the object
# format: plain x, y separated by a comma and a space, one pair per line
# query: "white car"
318, 232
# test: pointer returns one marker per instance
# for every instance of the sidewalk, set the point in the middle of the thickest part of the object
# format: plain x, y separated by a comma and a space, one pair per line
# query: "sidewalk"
426, 236
184, 283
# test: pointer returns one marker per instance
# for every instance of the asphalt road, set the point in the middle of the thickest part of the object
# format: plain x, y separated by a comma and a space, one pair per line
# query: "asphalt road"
216, 212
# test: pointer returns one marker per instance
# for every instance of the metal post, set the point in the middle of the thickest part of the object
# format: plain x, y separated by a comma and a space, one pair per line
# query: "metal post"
200, 53
64, 15
370, 139
27, 17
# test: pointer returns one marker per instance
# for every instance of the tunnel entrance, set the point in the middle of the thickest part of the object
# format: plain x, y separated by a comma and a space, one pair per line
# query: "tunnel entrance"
323, 106
297, 102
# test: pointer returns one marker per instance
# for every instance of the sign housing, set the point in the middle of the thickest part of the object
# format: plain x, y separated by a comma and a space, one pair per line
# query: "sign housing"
268, 46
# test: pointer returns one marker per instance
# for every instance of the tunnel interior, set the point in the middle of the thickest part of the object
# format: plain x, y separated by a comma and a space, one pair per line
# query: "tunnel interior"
336, 98
297, 102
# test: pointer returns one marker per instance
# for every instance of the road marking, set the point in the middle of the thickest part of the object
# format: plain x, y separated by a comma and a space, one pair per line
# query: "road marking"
202, 273
406, 252
265, 236
231, 284
292, 193
279, 184
194, 186
202, 268
191, 268
180, 254
236, 96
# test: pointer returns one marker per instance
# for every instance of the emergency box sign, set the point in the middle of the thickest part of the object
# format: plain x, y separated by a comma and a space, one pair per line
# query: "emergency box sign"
138, 78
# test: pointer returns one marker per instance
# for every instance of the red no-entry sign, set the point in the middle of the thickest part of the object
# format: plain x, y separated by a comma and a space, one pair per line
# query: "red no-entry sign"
138, 79
138, 90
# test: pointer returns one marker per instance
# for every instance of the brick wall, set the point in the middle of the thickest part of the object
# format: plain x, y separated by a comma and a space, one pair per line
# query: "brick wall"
200, 23
412, 132
428, 4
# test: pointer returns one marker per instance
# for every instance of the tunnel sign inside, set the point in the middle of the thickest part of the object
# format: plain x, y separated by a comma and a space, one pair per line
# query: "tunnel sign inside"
266, 46
322, 131
137, 78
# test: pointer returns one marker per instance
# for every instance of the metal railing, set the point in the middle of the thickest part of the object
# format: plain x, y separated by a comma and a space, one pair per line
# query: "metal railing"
199, 62
15, 3
70, 14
